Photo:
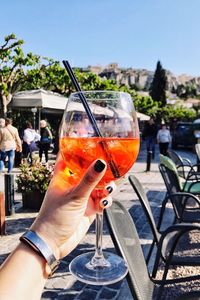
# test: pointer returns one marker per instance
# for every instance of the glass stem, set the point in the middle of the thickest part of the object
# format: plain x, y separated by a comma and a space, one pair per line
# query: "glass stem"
98, 259
99, 234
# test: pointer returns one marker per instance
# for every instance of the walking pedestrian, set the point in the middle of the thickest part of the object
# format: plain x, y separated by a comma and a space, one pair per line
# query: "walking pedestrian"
163, 139
45, 140
9, 143
2, 124
149, 135
30, 138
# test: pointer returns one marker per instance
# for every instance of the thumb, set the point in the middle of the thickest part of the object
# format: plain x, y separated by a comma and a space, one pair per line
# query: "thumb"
91, 178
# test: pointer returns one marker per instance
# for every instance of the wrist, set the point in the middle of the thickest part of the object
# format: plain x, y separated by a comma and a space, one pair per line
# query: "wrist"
38, 260
42, 249
48, 237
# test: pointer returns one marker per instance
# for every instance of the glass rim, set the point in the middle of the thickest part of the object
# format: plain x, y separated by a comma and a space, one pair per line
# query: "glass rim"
100, 92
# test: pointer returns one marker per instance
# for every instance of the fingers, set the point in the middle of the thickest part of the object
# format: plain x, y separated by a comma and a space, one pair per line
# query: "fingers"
91, 178
97, 206
111, 187
106, 202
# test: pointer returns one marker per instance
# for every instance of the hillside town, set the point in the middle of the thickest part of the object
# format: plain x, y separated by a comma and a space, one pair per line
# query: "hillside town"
141, 78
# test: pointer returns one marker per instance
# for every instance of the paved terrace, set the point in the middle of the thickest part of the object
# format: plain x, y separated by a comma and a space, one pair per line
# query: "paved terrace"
62, 285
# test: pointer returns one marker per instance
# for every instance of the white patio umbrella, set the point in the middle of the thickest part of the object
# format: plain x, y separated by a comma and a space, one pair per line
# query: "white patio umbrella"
39, 99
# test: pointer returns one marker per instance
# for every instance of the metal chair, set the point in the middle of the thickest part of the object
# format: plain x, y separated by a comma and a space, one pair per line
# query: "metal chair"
167, 240
192, 182
127, 244
183, 197
184, 166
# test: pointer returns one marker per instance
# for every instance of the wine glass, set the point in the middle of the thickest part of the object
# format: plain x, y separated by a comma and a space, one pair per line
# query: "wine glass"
116, 141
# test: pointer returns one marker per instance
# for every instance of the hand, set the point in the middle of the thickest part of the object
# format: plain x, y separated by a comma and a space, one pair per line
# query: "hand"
67, 212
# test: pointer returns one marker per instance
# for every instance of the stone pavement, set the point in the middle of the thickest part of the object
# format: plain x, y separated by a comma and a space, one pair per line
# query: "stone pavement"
62, 285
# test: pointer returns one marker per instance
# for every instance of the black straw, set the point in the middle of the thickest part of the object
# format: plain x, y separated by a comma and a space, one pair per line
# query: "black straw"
91, 117
82, 97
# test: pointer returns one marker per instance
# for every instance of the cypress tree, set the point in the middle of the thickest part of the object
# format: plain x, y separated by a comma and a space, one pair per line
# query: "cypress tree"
159, 85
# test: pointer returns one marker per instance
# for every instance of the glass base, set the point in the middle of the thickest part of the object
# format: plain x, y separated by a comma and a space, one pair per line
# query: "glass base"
109, 270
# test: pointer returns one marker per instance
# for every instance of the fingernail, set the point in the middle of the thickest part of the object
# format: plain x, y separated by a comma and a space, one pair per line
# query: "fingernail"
109, 189
104, 203
99, 166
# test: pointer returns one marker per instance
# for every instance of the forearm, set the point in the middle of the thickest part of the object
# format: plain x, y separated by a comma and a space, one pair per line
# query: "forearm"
22, 275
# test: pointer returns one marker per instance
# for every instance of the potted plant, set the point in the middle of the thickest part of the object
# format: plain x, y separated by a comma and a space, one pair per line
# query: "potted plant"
33, 182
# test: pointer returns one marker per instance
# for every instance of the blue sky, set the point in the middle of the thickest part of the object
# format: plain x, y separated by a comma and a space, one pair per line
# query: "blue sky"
133, 33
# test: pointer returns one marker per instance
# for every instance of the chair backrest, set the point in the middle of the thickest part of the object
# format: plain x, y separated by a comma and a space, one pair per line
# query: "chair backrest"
175, 157
169, 179
197, 149
127, 244
178, 161
172, 183
170, 174
145, 205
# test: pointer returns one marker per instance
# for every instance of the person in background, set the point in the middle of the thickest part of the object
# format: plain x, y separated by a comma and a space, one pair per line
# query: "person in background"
30, 137
45, 140
149, 135
2, 124
9, 143
163, 139
60, 225
56, 138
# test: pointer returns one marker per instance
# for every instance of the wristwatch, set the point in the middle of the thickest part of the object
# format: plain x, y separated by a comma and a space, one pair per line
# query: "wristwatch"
33, 240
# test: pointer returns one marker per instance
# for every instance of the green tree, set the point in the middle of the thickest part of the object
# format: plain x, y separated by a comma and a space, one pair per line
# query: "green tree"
188, 90
12, 64
170, 112
159, 85
50, 75
144, 104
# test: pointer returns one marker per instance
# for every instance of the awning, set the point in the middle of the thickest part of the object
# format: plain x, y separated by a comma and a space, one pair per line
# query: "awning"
39, 99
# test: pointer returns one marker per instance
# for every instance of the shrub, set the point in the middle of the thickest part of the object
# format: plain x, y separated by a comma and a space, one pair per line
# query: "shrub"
34, 177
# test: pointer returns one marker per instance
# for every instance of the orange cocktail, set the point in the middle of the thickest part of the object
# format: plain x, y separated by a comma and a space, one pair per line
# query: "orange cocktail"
98, 125
80, 152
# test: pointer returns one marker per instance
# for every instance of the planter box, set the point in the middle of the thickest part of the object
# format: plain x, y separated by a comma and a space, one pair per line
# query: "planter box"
32, 200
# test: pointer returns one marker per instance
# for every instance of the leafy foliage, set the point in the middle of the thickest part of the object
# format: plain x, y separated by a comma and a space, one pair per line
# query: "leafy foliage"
179, 113
144, 104
186, 91
55, 78
12, 63
35, 177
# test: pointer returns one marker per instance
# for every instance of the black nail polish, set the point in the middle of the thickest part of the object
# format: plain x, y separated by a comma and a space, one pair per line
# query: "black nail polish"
109, 189
99, 166
105, 202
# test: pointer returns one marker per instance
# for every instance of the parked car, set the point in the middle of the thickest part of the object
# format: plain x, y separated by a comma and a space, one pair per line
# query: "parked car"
185, 135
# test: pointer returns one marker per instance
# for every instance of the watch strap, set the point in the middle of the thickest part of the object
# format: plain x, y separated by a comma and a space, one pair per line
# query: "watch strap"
32, 239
